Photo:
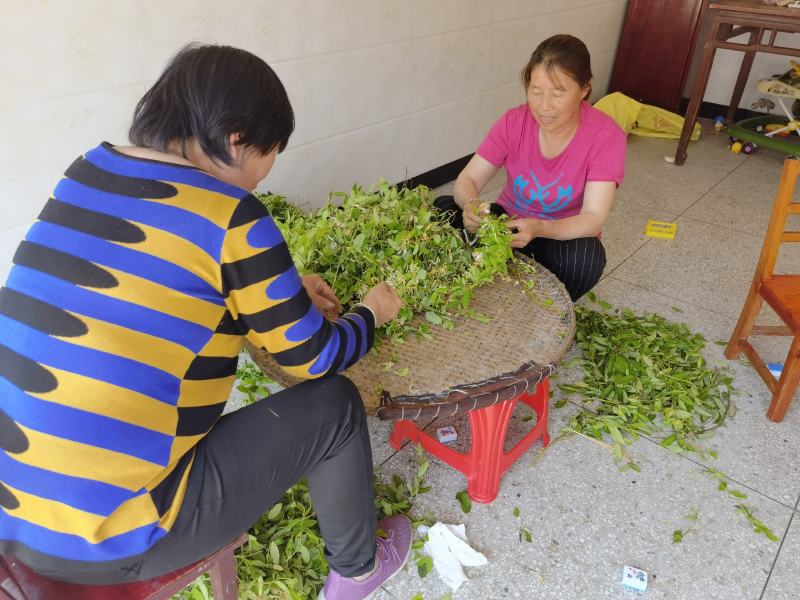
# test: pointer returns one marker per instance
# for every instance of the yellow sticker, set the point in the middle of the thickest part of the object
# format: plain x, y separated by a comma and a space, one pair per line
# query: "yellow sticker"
660, 229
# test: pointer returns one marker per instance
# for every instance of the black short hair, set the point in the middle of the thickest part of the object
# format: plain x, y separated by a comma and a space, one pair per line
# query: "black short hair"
208, 92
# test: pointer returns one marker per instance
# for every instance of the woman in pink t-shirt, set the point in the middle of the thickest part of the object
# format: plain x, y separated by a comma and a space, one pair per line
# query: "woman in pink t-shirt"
564, 160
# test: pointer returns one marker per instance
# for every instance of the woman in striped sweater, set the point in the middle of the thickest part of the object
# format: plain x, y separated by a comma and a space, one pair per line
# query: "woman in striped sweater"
120, 326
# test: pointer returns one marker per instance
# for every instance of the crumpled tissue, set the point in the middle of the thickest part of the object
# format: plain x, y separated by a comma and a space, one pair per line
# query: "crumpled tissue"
448, 547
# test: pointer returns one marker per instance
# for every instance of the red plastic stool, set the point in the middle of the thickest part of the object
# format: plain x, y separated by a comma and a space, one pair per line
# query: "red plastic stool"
486, 460
18, 582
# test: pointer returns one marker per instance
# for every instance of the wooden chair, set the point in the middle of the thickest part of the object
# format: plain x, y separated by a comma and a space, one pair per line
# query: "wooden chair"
781, 292
18, 582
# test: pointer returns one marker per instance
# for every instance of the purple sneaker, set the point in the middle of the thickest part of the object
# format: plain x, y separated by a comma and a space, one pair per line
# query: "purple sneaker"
391, 554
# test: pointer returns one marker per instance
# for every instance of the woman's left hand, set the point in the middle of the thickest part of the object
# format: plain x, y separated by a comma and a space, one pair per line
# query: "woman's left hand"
526, 231
322, 296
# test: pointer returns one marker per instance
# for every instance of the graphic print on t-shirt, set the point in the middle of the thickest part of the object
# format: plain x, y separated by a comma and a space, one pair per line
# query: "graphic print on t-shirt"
536, 200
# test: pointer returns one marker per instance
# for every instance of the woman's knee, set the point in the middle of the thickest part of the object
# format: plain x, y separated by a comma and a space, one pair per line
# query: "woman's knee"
341, 397
577, 263
588, 264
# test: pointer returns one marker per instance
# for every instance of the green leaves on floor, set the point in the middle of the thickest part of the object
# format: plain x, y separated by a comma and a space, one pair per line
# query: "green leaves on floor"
646, 375
464, 501
251, 381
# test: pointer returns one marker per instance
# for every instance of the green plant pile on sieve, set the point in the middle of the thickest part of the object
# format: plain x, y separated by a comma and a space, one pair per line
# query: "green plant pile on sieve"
395, 235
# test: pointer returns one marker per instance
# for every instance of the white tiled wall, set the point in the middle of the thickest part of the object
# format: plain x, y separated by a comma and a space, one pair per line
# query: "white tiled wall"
380, 88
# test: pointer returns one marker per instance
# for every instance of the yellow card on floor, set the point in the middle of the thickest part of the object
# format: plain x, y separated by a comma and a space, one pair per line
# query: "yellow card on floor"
660, 229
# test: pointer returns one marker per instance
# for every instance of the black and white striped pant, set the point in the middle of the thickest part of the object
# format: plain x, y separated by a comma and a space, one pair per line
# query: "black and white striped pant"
577, 263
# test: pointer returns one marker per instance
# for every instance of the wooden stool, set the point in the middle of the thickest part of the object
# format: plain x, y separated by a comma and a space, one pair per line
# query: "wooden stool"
781, 292
18, 582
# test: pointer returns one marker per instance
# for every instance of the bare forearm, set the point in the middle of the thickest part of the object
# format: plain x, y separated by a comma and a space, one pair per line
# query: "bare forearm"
570, 228
465, 190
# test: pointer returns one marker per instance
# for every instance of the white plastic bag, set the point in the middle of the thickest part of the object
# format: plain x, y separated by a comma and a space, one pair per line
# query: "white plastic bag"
448, 547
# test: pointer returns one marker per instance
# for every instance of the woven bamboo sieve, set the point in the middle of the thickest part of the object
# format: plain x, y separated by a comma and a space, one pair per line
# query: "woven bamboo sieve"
472, 366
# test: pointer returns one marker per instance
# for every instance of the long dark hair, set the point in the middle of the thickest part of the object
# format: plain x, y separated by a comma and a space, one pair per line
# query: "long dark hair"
208, 92
565, 52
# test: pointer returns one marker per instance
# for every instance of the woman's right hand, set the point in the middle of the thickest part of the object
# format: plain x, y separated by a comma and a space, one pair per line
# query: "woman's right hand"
472, 214
384, 303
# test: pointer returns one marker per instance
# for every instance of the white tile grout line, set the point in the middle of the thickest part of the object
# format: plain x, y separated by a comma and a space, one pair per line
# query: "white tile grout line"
778, 553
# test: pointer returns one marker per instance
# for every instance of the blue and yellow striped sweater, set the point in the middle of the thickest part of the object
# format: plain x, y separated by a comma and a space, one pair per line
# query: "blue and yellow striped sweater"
120, 326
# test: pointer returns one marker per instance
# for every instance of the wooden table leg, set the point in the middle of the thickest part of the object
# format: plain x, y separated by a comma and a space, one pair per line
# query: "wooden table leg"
698, 89
741, 80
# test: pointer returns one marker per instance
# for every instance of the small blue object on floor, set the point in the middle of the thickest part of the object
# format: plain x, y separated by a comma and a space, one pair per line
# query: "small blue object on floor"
634, 578
776, 369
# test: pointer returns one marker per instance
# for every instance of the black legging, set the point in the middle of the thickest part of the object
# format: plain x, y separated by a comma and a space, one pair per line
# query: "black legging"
577, 263
317, 429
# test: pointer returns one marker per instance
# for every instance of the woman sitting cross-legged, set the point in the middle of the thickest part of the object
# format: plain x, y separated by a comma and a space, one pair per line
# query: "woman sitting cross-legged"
564, 160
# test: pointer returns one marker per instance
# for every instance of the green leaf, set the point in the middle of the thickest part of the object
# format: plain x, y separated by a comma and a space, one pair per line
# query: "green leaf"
274, 553
480, 317
432, 317
275, 512
424, 566
677, 536
516, 511
677, 310
525, 535
422, 470
737, 494
465, 501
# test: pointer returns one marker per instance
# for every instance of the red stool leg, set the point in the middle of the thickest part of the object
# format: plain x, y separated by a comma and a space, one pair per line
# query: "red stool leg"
488, 427
223, 577
406, 430
540, 402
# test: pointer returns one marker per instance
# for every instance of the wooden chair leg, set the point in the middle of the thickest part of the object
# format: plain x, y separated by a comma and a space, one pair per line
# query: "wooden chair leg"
223, 578
747, 318
787, 384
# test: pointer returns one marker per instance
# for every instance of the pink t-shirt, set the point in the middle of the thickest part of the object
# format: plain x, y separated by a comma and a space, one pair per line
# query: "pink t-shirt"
553, 188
